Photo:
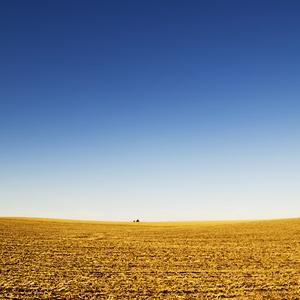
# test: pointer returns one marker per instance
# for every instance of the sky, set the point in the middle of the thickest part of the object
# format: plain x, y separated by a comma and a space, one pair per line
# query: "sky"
157, 110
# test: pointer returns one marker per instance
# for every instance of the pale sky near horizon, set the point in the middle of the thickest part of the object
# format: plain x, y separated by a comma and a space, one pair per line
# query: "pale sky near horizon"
157, 110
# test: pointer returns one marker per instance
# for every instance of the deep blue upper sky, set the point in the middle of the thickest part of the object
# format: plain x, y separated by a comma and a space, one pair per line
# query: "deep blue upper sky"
159, 82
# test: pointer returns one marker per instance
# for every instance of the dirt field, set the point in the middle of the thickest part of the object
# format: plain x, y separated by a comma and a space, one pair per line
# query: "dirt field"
48, 259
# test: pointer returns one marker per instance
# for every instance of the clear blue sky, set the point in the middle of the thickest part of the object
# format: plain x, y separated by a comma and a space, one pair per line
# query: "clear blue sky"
158, 110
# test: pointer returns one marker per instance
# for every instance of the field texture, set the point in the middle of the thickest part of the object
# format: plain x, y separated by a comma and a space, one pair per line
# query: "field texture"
48, 259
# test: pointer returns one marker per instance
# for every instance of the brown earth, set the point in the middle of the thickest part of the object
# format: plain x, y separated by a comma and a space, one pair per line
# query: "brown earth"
51, 259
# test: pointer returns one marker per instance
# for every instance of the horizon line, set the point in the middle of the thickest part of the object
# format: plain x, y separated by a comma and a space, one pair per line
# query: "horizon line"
146, 221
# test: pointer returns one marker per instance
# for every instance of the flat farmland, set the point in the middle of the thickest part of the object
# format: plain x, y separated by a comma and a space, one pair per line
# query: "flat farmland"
56, 259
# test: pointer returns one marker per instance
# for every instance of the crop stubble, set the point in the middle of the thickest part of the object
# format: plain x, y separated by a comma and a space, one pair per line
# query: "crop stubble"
50, 259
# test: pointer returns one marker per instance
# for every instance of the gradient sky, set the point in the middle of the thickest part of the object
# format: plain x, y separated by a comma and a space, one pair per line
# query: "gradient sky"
158, 110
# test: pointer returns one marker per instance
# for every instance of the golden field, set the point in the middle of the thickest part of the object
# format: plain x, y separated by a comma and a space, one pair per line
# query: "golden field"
53, 259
